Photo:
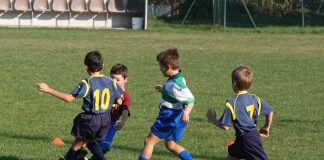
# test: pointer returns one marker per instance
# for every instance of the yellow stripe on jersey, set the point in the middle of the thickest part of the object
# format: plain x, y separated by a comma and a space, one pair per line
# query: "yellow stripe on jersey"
259, 103
231, 109
115, 83
100, 75
87, 87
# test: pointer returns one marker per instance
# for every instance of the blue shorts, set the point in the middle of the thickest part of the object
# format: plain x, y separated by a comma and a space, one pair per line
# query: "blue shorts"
110, 135
248, 146
168, 124
91, 126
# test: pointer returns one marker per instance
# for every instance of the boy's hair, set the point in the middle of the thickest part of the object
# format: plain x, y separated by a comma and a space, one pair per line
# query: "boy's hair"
241, 78
169, 57
94, 61
119, 69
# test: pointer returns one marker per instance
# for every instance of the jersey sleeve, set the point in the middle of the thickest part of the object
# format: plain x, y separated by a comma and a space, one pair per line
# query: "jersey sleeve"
266, 109
81, 90
183, 95
226, 118
118, 90
228, 114
126, 101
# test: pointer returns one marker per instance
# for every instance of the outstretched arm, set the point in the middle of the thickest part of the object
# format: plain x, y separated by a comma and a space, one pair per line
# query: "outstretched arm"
63, 96
265, 130
212, 118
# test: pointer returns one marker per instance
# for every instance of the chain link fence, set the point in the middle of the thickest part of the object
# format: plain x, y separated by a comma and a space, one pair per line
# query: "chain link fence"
245, 13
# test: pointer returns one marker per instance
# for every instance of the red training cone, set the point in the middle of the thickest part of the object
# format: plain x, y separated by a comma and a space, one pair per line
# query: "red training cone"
57, 141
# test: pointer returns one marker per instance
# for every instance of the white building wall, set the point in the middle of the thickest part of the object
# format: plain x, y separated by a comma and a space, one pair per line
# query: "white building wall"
76, 20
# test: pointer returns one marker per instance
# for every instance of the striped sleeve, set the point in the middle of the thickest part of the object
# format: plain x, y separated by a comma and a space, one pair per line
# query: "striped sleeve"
226, 118
81, 90
183, 95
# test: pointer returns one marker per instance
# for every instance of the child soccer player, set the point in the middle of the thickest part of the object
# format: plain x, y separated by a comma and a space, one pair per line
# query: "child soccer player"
175, 106
243, 111
98, 93
119, 72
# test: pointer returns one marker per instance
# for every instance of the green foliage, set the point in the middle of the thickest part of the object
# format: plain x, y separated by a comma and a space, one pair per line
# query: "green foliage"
264, 8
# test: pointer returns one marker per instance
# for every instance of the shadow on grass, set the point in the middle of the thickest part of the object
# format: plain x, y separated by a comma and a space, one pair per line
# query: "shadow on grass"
8, 158
24, 137
207, 157
165, 152
298, 121
199, 119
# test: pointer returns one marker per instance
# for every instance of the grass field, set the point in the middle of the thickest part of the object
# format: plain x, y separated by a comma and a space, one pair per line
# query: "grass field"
288, 74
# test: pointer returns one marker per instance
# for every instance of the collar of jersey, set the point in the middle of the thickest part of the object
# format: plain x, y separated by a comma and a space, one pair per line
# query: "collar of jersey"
242, 92
100, 75
176, 75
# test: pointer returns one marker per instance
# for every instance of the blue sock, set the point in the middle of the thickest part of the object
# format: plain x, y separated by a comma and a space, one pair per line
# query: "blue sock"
142, 158
185, 155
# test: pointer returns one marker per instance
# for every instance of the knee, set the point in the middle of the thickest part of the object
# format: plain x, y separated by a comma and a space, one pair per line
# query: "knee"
170, 145
150, 141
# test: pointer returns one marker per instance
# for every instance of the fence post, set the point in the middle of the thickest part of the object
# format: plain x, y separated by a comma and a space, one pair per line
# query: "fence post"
214, 12
303, 15
225, 8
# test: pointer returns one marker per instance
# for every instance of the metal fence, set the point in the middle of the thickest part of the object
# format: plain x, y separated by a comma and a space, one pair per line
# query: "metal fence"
253, 13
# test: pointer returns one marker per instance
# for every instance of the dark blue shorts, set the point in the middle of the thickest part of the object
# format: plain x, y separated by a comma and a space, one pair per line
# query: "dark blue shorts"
248, 146
91, 126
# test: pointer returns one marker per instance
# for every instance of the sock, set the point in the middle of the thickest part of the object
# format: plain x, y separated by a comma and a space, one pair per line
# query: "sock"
96, 151
142, 158
71, 154
185, 155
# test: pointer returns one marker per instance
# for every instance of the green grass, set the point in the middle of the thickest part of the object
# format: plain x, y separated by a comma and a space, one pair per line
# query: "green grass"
288, 74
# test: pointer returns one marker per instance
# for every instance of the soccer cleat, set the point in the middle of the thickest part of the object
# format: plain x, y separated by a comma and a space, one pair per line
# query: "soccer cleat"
82, 154
83, 158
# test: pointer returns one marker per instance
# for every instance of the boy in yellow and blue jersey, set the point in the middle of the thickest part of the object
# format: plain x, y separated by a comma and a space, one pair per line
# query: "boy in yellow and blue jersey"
243, 111
99, 93
175, 106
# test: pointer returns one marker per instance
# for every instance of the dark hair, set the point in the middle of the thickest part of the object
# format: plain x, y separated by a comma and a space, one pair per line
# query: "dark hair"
94, 61
119, 69
241, 78
169, 57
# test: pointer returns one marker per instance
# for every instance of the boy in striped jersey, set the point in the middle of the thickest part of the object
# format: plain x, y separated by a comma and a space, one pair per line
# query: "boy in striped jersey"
175, 106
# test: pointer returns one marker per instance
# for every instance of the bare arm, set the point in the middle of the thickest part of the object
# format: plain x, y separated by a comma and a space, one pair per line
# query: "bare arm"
185, 116
212, 118
265, 130
63, 96
123, 120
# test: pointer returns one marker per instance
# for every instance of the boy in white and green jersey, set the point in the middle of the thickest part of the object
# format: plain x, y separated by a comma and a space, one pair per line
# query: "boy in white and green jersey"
175, 93
175, 106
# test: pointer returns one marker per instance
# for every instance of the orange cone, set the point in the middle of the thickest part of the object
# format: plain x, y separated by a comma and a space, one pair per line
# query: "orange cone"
57, 141
231, 142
